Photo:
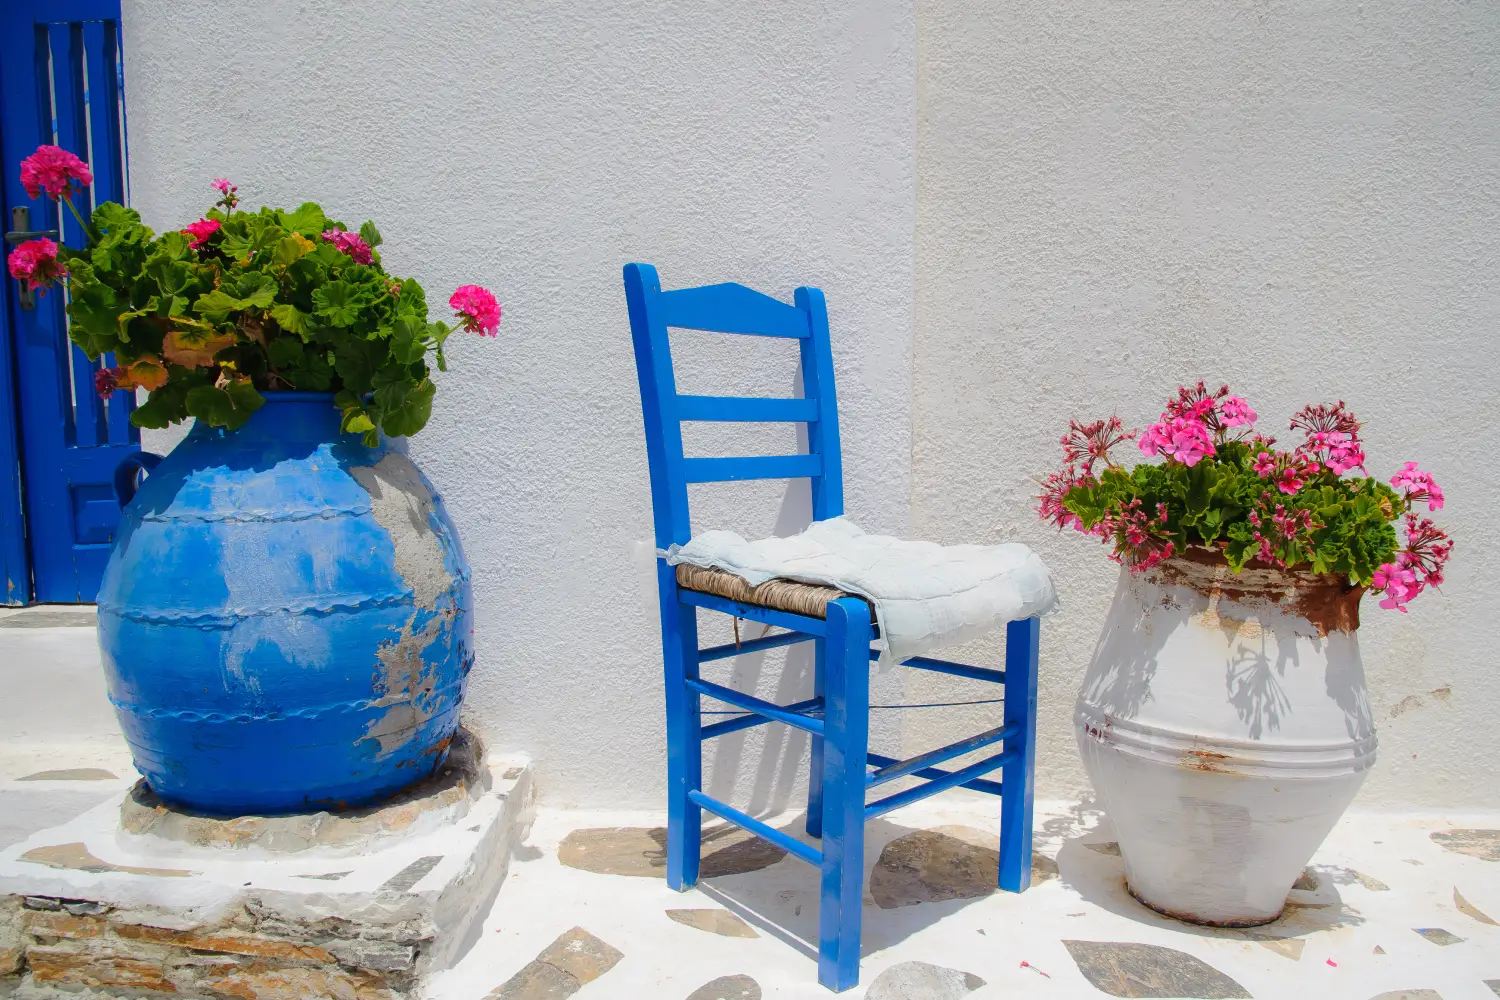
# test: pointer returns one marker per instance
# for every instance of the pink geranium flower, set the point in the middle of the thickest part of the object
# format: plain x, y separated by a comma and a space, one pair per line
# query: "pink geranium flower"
229, 192
478, 312
350, 244
1190, 441
106, 381
1155, 439
1343, 457
1299, 469
1090, 443
1399, 585
200, 232
1264, 465
1427, 550
1235, 412
52, 169
1416, 485
1055, 490
1182, 438
35, 263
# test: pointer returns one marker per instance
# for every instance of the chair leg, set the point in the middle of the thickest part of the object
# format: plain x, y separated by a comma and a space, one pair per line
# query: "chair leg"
815, 767
679, 635
1016, 782
846, 718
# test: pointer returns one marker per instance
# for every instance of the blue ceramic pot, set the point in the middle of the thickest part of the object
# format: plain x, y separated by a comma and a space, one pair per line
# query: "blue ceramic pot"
285, 620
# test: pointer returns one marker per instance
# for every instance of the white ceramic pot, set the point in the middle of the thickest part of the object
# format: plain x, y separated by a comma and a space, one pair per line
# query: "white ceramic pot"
1225, 725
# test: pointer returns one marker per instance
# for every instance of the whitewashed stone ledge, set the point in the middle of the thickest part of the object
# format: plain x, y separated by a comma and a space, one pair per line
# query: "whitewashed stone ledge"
88, 906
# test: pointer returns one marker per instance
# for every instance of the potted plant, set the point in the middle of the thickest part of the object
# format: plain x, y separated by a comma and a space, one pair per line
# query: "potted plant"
285, 618
1224, 720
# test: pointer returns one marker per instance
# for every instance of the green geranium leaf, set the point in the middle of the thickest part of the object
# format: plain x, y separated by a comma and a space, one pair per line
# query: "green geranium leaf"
228, 407
245, 400
411, 300
315, 374
170, 275
292, 248
340, 302
257, 289
370, 234
412, 415
357, 361
96, 309
406, 341
210, 405
392, 385
162, 408
308, 219
285, 352
217, 305
357, 421
289, 318
127, 318
113, 218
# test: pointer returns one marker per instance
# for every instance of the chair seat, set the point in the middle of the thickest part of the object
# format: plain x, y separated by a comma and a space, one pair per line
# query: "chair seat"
807, 599
924, 597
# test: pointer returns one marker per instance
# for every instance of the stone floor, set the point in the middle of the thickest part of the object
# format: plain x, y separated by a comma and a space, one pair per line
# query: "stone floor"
1392, 907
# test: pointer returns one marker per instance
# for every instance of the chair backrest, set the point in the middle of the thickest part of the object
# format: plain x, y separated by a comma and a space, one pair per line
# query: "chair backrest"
730, 308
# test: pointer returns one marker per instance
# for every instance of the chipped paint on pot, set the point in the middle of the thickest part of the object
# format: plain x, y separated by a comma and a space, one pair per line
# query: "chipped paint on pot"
1225, 725
285, 619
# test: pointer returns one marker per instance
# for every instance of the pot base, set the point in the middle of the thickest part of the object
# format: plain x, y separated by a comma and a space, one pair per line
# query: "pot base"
1190, 919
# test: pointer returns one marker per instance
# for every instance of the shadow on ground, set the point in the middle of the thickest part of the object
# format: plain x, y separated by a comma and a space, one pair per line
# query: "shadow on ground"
1094, 869
913, 877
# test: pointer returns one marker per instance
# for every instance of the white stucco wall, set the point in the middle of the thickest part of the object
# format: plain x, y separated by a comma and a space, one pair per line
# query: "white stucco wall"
1300, 199
536, 148
1073, 206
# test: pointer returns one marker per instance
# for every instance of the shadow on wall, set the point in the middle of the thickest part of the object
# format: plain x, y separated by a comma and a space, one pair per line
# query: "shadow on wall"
1262, 649
784, 748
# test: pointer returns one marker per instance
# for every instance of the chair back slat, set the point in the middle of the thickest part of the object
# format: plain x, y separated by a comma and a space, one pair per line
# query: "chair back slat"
725, 470
730, 308
747, 409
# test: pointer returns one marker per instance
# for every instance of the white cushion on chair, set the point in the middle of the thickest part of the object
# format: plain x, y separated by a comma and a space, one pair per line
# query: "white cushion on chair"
926, 596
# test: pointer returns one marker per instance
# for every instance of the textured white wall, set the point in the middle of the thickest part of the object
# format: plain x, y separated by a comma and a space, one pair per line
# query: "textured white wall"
535, 148
1299, 198
1106, 199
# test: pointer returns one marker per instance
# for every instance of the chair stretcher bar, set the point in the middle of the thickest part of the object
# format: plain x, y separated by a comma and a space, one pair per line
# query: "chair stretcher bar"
775, 713
751, 646
747, 721
947, 780
945, 667
791, 845
901, 769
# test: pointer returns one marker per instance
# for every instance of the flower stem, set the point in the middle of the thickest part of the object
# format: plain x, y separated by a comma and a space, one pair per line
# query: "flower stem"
86, 227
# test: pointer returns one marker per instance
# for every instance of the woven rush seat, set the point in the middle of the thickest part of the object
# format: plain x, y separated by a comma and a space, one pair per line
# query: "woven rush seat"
808, 599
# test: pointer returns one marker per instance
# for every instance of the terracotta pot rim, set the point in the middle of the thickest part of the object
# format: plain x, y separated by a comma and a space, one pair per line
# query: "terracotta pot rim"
1329, 602
1300, 576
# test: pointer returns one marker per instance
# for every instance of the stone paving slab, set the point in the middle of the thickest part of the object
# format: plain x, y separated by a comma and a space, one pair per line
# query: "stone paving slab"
1392, 908
1362, 924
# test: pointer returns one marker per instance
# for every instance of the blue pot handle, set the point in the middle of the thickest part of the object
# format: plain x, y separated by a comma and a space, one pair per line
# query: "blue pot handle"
126, 474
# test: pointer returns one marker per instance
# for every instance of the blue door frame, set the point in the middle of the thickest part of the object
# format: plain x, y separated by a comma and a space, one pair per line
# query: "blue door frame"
60, 83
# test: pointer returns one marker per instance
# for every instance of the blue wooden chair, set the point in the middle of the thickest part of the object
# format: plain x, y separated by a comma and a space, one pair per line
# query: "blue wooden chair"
843, 769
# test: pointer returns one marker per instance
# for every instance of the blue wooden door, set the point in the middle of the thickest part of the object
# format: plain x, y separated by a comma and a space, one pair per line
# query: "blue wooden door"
60, 83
